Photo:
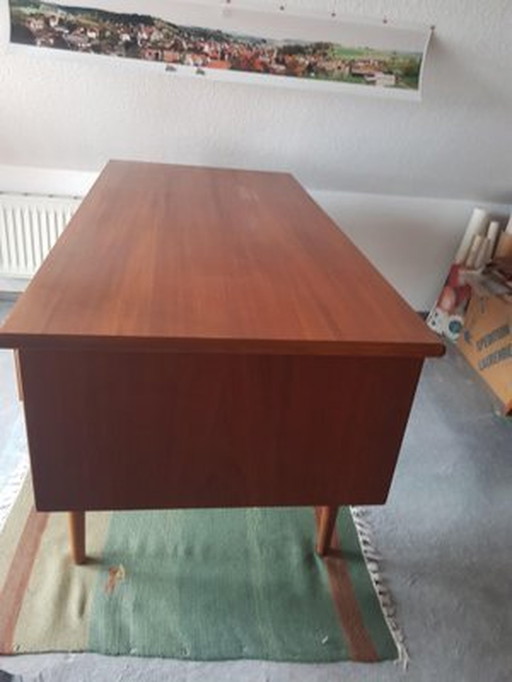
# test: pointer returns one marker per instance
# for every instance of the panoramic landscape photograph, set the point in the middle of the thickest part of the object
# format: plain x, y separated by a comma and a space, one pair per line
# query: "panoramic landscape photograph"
100, 31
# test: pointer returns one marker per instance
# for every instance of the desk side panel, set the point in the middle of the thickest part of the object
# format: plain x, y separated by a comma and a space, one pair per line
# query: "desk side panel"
127, 431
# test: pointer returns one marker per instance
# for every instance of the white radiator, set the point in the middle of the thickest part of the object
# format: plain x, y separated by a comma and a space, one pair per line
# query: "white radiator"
29, 227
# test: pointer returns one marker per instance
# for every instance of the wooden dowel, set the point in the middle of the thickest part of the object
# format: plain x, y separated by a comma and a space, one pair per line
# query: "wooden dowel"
326, 526
77, 536
18, 374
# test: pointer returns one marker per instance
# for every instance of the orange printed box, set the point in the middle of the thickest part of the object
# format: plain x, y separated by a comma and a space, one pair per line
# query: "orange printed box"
486, 343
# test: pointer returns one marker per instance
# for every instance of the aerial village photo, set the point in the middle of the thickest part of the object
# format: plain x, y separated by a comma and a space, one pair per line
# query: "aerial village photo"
145, 37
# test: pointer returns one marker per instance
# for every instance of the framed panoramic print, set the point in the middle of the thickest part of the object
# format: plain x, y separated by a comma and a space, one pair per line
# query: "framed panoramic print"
226, 42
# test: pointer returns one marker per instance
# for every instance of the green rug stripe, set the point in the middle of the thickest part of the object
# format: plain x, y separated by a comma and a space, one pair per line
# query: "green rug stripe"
226, 584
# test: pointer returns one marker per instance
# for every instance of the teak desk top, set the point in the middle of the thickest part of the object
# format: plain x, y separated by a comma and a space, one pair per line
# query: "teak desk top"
190, 259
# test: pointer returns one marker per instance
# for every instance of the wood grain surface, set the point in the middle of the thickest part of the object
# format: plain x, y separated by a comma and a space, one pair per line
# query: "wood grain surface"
190, 259
157, 430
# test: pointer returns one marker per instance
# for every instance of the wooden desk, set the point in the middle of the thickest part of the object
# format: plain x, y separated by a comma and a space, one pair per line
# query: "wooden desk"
209, 338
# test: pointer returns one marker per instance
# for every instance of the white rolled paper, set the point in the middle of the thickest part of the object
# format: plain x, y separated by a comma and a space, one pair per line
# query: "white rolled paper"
508, 229
476, 245
484, 253
477, 226
492, 234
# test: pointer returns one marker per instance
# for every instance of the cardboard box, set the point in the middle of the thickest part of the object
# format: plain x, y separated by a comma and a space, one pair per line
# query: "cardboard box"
486, 342
504, 248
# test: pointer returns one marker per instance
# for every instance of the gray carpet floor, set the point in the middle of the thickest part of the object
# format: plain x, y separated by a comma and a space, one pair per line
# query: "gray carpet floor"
445, 535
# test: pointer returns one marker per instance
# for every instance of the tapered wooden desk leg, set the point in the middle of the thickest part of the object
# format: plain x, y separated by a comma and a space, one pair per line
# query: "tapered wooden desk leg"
77, 536
325, 528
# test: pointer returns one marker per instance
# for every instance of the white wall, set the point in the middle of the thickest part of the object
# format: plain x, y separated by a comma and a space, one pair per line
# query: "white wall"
412, 241
32, 180
455, 145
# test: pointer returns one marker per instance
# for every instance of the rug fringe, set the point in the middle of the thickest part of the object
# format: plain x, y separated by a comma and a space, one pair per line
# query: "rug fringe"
373, 564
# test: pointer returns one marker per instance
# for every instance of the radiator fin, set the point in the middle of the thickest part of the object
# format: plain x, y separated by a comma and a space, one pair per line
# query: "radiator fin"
29, 227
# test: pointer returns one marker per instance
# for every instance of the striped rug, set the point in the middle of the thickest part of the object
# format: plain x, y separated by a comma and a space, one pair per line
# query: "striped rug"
199, 585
